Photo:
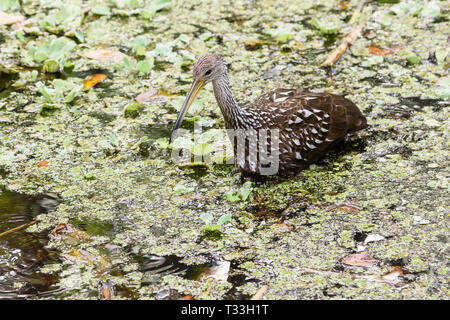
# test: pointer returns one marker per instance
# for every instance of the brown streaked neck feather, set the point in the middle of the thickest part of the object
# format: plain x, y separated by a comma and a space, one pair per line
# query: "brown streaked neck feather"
228, 106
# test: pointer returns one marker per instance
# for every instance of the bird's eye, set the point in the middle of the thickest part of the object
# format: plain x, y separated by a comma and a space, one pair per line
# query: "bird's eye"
207, 73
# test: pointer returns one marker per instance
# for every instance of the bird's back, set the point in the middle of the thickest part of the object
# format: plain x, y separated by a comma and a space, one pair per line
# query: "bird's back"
309, 123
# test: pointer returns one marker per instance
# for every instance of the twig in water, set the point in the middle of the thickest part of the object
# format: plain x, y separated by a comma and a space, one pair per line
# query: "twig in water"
26, 225
337, 53
357, 13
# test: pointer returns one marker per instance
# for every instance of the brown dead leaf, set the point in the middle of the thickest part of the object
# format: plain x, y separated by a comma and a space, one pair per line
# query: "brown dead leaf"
359, 259
252, 44
260, 293
373, 49
393, 274
346, 208
283, 227
43, 163
63, 229
20, 25
169, 117
146, 96
105, 55
187, 297
343, 5
10, 19
219, 271
93, 79
105, 291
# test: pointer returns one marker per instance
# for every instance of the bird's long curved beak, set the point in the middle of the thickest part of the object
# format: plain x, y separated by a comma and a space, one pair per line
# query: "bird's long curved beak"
193, 92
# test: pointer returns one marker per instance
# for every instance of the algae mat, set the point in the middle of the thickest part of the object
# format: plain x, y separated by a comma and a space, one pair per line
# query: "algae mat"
88, 95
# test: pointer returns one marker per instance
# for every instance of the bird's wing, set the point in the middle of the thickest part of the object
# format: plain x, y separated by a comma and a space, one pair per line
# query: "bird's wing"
309, 122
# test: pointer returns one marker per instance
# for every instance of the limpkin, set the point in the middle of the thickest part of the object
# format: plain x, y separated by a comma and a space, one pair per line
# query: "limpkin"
307, 123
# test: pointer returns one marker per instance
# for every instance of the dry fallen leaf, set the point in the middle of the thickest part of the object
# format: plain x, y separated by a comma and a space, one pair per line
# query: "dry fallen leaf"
260, 293
93, 79
432, 123
373, 49
393, 274
346, 208
105, 290
105, 55
359, 260
219, 271
283, 227
10, 19
43, 163
64, 229
169, 117
373, 237
252, 44
343, 5
146, 96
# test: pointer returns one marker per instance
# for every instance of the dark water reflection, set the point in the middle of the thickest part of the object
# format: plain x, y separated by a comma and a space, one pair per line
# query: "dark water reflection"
22, 254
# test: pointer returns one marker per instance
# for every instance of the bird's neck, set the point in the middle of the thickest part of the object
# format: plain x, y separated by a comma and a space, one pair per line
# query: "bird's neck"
228, 106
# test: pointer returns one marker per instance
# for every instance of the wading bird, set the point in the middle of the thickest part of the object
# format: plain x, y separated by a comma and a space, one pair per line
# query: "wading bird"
305, 124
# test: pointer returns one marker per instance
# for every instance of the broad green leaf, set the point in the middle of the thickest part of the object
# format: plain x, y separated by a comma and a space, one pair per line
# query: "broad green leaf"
101, 10
224, 219
233, 197
201, 149
182, 143
72, 94
144, 66
44, 92
158, 5
246, 190
207, 218
114, 140
431, 10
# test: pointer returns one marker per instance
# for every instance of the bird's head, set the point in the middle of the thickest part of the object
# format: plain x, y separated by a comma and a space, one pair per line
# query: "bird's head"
207, 68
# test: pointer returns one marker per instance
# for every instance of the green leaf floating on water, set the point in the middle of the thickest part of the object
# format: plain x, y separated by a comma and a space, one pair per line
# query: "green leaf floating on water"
246, 190
9, 5
443, 88
113, 139
72, 94
131, 111
207, 218
181, 187
233, 197
48, 109
145, 66
101, 10
182, 143
60, 47
67, 13
51, 66
210, 135
242, 194
224, 219
57, 50
431, 10
43, 90
327, 26
283, 33
139, 45
158, 5
201, 149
